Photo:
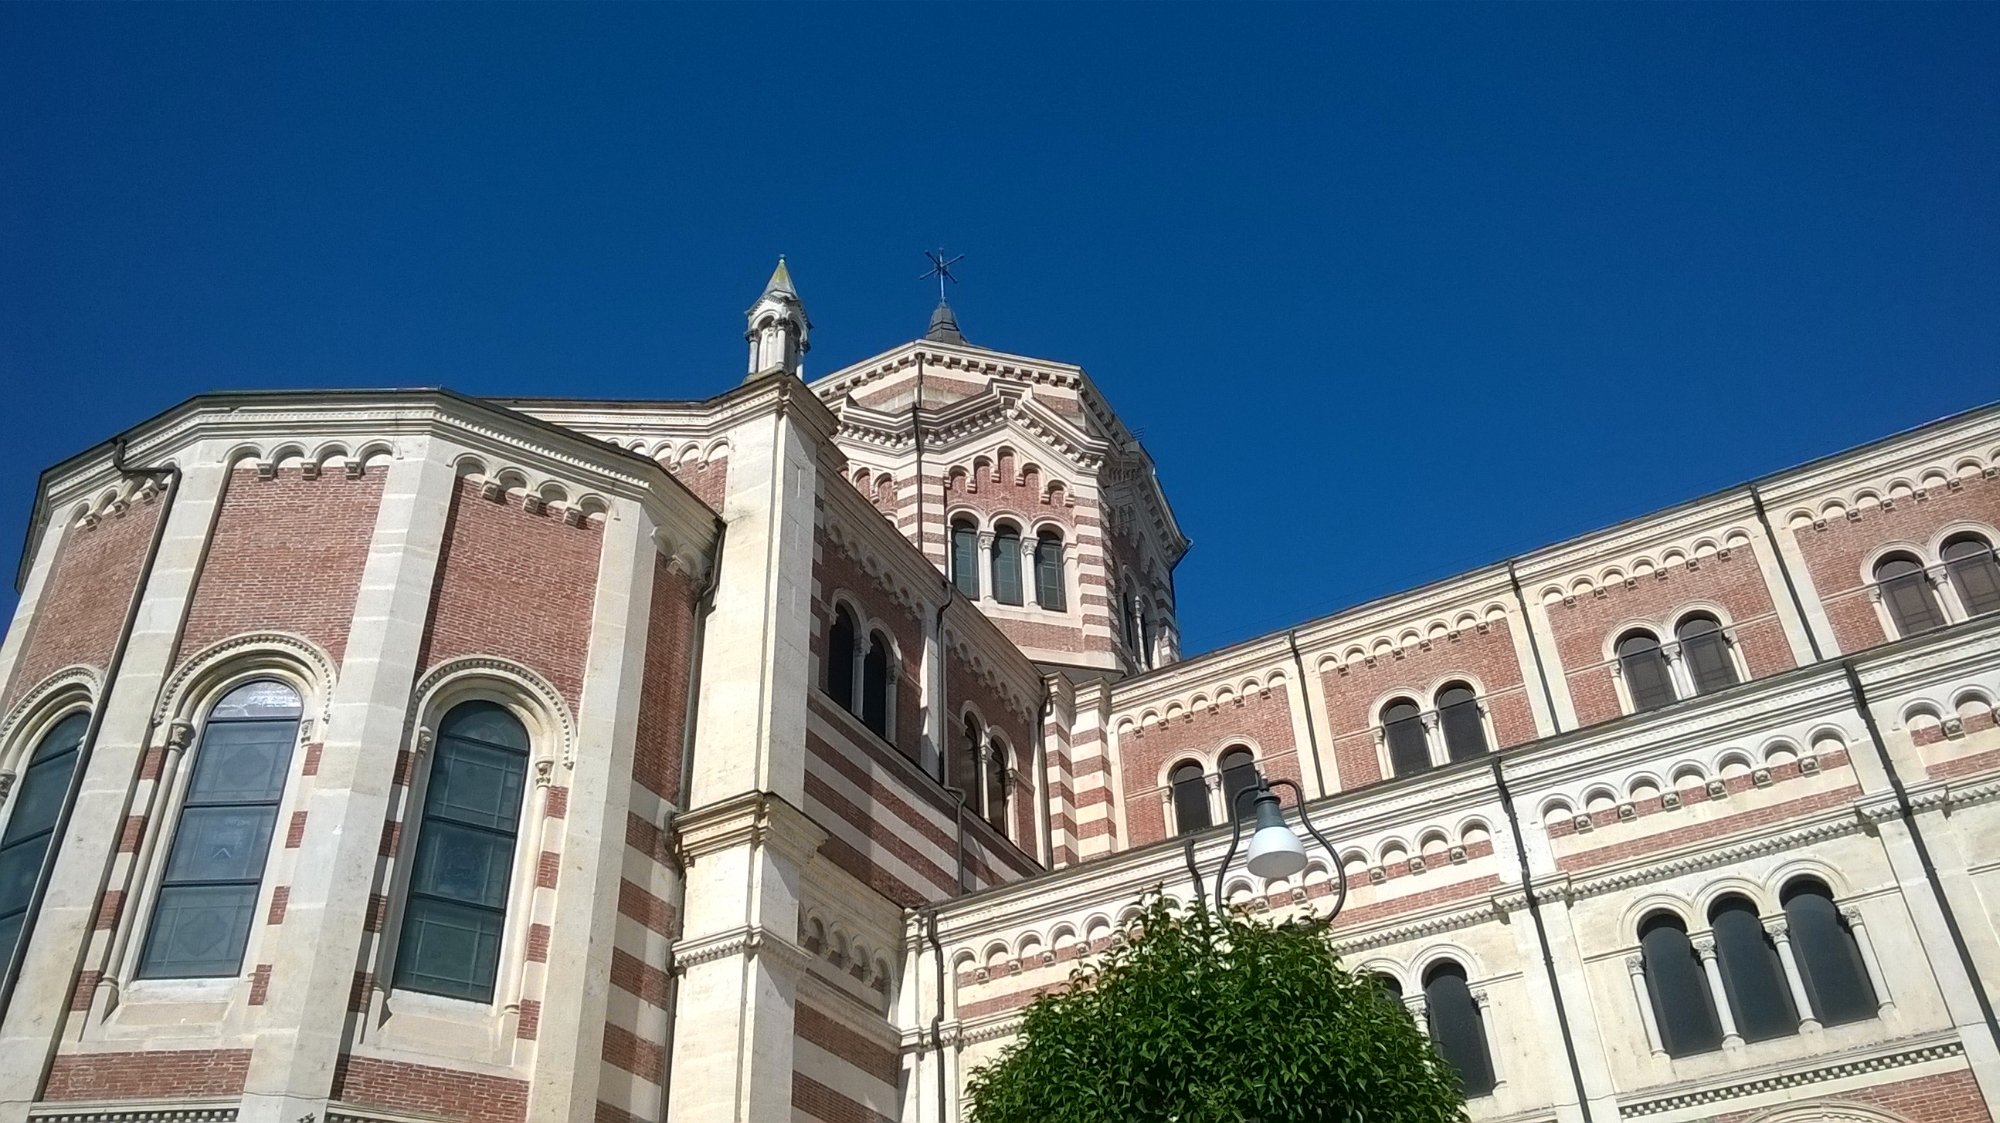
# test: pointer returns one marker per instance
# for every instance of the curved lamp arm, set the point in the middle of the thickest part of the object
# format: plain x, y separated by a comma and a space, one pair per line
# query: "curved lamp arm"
1235, 836
1339, 874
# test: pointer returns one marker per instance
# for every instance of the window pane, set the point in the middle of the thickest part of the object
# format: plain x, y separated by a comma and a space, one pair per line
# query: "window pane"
257, 700
1836, 979
1751, 973
1458, 716
1906, 593
485, 721
965, 762
221, 844
67, 736
449, 949
1679, 990
875, 687
1707, 653
840, 659
19, 864
198, 931
242, 761
472, 783
965, 559
1409, 749
1239, 773
1457, 1029
1190, 798
40, 798
1975, 574
996, 788
10, 930
1049, 583
1007, 567
470, 866
1645, 669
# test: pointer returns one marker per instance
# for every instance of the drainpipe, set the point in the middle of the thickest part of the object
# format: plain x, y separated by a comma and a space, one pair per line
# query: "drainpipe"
172, 475
1541, 928
1312, 733
1909, 815
1785, 571
930, 919
1535, 649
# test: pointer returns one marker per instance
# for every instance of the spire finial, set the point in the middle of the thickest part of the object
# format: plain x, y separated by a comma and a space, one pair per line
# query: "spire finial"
944, 325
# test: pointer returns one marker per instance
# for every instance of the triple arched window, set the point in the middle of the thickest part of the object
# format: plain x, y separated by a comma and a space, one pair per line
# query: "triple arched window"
1749, 977
860, 676
1909, 590
27, 845
221, 842
1003, 561
455, 910
1454, 730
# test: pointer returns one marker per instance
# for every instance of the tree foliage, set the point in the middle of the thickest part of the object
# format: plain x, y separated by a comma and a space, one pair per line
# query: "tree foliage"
1200, 1018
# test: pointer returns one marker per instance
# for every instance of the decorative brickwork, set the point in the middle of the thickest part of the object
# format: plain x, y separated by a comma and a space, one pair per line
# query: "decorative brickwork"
84, 598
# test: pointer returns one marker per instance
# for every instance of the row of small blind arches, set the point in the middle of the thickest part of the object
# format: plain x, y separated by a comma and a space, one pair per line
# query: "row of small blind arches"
871, 705
1912, 602
203, 912
1005, 563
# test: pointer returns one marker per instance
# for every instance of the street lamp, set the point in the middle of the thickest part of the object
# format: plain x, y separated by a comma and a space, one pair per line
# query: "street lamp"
1275, 851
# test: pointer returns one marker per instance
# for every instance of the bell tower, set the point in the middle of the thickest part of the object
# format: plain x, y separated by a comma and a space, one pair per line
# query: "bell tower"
779, 332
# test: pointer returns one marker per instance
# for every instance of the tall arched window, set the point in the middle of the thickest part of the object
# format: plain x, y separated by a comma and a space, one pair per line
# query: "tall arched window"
875, 676
1049, 582
1706, 650
1190, 788
1974, 573
1645, 670
964, 774
1830, 959
1457, 1027
1125, 614
1145, 636
840, 641
1907, 594
997, 766
1239, 773
1458, 716
1752, 976
1678, 988
1403, 729
1006, 563
965, 557
215, 864
456, 910
28, 845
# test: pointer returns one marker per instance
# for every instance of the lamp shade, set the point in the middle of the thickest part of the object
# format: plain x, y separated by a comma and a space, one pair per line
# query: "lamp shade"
1275, 852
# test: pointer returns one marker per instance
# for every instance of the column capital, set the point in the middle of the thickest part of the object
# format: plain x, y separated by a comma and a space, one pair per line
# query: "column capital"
1851, 915
1704, 946
753, 818
1635, 964
1778, 928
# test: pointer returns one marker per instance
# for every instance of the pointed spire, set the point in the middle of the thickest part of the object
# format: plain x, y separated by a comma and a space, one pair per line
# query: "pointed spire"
779, 332
944, 326
780, 283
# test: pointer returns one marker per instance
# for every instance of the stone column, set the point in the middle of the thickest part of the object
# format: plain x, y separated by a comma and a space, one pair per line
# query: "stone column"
305, 1026
1885, 1004
1420, 1011
1643, 995
1484, 1003
1781, 935
69, 907
1704, 946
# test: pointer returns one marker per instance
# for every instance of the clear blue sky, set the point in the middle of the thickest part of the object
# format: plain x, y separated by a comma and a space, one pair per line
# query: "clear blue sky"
1392, 292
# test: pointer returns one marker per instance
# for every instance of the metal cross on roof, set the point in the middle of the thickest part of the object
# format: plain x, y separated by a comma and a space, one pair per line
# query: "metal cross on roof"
941, 269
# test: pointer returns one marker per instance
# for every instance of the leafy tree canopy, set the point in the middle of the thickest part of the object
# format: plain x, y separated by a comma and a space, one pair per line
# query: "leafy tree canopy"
1199, 1018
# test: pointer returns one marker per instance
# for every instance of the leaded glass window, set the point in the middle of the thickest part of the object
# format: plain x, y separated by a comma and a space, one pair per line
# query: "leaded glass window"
1403, 728
215, 864
456, 911
1458, 716
1907, 594
1645, 670
27, 846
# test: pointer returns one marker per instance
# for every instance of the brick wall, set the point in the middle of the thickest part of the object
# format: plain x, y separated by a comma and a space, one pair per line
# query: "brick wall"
709, 481
442, 1092
515, 584
84, 597
1355, 693
286, 555
656, 762
151, 1075
1951, 1097
835, 572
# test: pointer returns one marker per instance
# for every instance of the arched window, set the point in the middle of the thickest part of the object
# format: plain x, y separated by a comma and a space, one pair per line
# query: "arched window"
1829, 957
1049, 581
965, 557
456, 910
1457, 1027
1678, 988
215, 864
1239, 773
964, 774
1706, 650
840, 641
1403, 728
996, 785
1125, 613
1974, 573
1907, 594
1145, 636
1006, 564
875, 675
28, 845
1752, 977
1388, 985
1458, 716
1190, 790
1645, 670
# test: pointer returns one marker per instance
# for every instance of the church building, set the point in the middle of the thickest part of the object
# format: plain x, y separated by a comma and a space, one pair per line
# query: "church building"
393, 756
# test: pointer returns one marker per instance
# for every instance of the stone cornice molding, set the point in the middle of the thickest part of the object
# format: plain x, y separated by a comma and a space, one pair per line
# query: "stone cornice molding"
1880, 1058
761, 819
1698, 856
75, 678
1908, 453
177, 1110
750, 941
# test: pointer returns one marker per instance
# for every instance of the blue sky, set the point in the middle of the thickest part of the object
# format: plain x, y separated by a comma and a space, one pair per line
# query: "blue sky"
1390, 291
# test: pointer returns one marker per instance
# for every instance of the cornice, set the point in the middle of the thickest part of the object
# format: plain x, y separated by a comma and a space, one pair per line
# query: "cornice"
177, 1110
1898, 1054
746, 940
748, 819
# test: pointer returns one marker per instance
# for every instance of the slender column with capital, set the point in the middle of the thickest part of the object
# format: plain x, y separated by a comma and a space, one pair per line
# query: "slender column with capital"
1419, 1010
1641, 993
1885, 1004
1781, 935
1494, 1056
1704, 946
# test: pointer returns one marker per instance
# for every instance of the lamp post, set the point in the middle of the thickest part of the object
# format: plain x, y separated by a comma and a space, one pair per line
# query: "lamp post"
1275, 851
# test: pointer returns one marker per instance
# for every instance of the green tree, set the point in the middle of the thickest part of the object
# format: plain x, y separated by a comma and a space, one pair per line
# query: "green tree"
1199, 1018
